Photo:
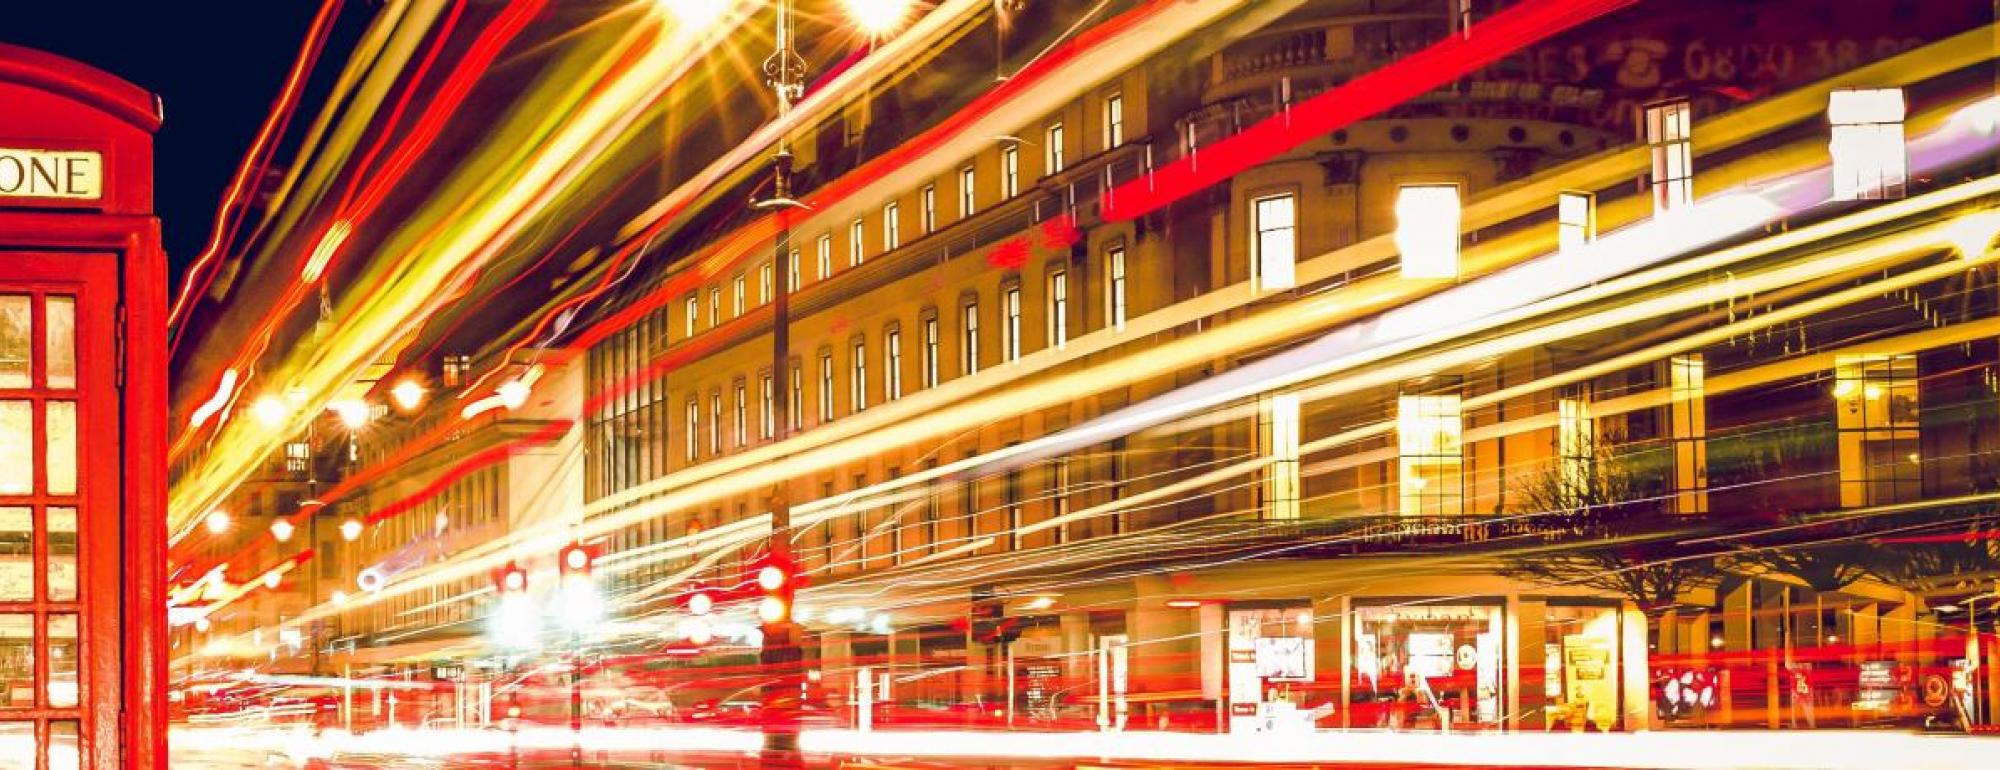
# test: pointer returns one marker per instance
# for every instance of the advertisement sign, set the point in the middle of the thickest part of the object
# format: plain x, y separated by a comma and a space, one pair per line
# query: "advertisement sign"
1877, 687
1590, 677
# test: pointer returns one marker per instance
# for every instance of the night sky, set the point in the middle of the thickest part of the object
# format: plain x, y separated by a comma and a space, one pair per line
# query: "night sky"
217, 66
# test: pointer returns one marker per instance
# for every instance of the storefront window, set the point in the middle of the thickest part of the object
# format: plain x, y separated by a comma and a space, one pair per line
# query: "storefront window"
1580, 667
1431, 667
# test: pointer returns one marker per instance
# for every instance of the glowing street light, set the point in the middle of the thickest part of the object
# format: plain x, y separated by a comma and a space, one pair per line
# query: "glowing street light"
408, 394
350, 530
513, 393
876, 18
353, 414
218, 522
269, 410
697, 15
282, 530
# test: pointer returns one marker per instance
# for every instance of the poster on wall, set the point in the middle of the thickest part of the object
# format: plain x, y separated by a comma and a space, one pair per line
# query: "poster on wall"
1591, 678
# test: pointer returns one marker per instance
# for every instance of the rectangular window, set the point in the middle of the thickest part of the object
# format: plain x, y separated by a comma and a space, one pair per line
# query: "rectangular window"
930, 362
714, 307
892, 226
1281, 436
1428, 433
892, 365
1576, 445
742, 425
1668, 137
1114, 287
693, 430
1059, 497
1053, 160
764, 283
693, 314
795, 400
825, 256
1274, 240
767, 415
1114, 121
1427, 230
967, 197
792, 282
1881, 460
739, 295
826, 387
856, 243
1869, 158
1576, 220
1010, 329
857, 383
930, 208
1010, 171
969, 363
715, 423
1687, 418
1058, 309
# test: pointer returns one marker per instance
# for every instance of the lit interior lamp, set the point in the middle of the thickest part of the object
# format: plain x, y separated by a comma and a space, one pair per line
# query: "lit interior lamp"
1427, 230
408, 394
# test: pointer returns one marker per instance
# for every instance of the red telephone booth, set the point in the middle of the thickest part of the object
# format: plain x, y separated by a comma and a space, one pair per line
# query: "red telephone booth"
82, 405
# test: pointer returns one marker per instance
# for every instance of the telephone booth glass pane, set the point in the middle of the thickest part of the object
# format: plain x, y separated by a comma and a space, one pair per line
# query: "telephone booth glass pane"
17, 746
17, 553
17, 660
62, 447
62, 554
65, 753
62, 646
17, 447
59, 316
16, 346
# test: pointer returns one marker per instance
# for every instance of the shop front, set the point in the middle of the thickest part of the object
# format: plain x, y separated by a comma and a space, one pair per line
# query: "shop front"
1428, 666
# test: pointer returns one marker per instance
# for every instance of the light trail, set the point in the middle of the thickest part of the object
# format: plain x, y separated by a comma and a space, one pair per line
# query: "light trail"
497, 208
228, 215
1827, 749
1511, 29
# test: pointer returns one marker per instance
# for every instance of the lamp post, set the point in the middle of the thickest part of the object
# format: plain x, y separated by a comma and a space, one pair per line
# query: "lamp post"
780, 655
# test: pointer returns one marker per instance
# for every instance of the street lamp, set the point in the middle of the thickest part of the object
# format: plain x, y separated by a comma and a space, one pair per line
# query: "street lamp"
876, 18
408, 394
282, 530
350, 530
217, 522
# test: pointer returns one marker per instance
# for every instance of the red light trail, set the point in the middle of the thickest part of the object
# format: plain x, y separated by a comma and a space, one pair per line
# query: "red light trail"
1488, 41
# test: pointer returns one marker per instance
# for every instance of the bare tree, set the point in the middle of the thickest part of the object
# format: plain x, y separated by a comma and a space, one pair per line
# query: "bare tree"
1604, 525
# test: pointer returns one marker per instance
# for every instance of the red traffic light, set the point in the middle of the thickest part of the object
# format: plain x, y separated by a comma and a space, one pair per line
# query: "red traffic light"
699, 601
777, 579
511, 579
576, 559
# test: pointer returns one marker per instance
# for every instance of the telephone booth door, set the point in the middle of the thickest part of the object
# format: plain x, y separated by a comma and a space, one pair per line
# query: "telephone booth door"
59, 507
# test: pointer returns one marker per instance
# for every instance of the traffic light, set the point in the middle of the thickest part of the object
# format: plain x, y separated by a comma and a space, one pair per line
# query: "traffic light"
511, 579
699, 600
777, 580
576, 560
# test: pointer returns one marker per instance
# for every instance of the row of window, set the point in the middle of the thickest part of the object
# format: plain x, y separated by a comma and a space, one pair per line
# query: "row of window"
730, 416
1870, 161
1054, 161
